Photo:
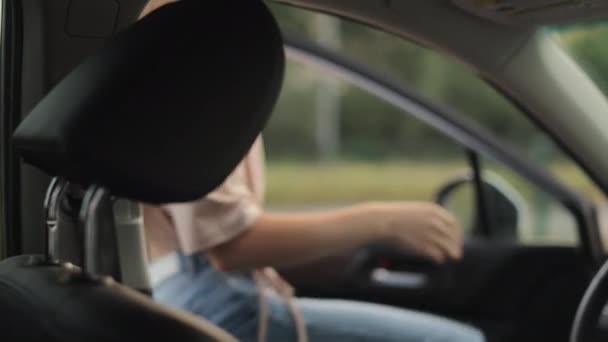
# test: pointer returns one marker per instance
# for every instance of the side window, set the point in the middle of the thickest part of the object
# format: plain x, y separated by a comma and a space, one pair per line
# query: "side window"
540, 219
444, 80
378, 151
355, 147
383, 153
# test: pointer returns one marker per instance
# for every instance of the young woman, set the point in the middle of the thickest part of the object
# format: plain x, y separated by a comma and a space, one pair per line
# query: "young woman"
211, 257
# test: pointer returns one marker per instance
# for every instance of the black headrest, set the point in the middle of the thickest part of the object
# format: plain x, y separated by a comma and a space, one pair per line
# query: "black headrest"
167, 109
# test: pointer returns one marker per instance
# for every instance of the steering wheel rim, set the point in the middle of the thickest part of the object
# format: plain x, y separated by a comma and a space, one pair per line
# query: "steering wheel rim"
591, 307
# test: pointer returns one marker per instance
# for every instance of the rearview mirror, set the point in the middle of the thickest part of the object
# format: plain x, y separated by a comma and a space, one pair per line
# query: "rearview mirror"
503, 205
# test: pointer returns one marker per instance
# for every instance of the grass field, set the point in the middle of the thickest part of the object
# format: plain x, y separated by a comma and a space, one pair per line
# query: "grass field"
294, 183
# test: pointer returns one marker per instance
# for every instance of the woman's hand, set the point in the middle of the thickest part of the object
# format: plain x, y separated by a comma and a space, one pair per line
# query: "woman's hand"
288, 239
421, 227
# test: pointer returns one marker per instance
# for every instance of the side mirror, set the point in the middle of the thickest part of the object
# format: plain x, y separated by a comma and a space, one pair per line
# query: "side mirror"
503, 204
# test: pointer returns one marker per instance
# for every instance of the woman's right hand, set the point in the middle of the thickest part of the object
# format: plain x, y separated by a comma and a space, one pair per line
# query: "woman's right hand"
420, 227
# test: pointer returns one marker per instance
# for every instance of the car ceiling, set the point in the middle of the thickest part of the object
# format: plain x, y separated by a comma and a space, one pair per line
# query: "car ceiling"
482, 33
482, 43
536, 12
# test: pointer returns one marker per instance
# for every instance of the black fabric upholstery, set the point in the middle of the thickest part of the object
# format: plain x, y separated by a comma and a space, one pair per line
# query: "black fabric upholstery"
56, 303
167, 108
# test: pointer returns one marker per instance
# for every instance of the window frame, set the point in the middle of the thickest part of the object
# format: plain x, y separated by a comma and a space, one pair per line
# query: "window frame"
456, 126
10, 108
2, 209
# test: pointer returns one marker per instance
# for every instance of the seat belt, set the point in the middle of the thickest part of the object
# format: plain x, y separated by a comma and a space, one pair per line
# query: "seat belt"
132, 253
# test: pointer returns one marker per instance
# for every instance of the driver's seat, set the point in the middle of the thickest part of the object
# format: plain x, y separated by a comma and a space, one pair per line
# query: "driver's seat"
163, 113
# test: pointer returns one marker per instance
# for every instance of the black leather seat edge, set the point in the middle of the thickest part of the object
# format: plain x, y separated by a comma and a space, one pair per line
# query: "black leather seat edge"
60, 304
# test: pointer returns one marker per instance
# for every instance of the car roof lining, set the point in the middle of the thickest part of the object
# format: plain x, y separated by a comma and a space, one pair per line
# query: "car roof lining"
535, 12
482, 44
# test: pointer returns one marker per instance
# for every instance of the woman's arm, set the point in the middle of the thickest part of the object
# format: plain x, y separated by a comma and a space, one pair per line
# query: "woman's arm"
279, 239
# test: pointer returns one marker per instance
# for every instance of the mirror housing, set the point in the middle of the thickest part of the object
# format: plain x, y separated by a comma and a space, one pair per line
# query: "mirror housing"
505, 206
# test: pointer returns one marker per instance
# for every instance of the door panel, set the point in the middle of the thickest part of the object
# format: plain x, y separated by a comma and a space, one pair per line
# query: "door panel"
509, 291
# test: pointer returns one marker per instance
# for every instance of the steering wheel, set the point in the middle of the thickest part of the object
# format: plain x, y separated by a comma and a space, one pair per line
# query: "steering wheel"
585, 328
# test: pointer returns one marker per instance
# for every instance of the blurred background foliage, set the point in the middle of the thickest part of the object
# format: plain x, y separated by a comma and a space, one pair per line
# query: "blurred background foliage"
381, 153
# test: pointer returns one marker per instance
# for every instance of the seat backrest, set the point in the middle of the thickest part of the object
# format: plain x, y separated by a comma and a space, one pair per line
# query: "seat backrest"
58, 303
163, 113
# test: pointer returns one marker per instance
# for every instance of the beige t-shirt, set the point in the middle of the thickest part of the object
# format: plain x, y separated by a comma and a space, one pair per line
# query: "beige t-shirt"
218, 218
215, 219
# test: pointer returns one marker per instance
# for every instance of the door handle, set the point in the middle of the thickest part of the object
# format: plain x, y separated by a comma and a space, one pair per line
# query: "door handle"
398, 279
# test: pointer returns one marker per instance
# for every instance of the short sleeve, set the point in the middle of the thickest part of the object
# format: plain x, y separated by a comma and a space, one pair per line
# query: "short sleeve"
221, 216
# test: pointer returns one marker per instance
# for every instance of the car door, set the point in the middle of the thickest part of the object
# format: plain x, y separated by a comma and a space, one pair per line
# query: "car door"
529, 246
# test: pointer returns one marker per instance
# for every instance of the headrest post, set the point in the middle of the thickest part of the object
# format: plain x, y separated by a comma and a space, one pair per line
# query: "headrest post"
132, 253
96, 206
52, 204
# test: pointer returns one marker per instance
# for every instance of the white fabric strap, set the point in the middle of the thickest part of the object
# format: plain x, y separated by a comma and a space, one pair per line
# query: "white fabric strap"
131, 241
268, 279
163, 268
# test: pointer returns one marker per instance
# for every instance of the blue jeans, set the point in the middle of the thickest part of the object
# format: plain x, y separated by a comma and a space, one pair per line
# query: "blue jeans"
230, 301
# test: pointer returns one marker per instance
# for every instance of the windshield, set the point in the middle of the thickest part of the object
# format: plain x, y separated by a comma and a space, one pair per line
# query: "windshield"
588, 45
